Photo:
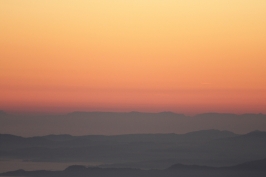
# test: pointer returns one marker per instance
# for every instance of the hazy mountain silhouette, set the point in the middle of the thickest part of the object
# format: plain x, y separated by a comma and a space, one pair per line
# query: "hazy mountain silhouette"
134, 139
208, 147
254, 168
114, 123
251, 165
14, 142
249, 146
76, 168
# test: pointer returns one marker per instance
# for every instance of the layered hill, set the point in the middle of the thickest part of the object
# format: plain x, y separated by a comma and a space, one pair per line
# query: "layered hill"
114, 123
208, 147
247, 169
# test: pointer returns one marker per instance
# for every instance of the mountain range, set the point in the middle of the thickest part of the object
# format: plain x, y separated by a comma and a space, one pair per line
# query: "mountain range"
116, 123
146, 151
253, 168
132, 140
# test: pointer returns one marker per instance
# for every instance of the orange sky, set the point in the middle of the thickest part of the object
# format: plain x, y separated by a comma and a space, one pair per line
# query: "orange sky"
115, 55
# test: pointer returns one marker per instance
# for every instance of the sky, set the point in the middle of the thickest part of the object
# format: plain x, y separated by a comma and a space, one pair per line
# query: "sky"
189, 56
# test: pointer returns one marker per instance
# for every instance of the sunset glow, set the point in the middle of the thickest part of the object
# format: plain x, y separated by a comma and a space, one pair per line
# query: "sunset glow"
58, 56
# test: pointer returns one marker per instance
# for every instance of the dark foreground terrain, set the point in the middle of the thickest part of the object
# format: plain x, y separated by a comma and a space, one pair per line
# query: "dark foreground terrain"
248, 169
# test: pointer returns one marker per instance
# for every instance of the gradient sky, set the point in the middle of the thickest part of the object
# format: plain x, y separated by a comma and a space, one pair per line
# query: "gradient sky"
188, 56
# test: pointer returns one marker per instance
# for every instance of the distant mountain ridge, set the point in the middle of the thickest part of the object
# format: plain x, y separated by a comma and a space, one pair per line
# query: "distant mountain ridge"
138, 150
115, 123
257, 168
134, 139
251, 165
2, 112
12, 141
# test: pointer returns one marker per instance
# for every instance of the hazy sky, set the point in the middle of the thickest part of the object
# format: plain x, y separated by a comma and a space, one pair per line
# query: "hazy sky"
187, 56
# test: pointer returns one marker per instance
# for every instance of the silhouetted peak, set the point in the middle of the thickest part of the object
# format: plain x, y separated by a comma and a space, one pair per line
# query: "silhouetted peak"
256, 133
212, 132
8, 136
75, 168
169, 113
63, 137
93, 113
214, 114
134, 112
19, 172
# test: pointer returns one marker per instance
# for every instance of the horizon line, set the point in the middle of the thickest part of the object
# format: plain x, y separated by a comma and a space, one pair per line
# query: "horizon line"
51, 113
